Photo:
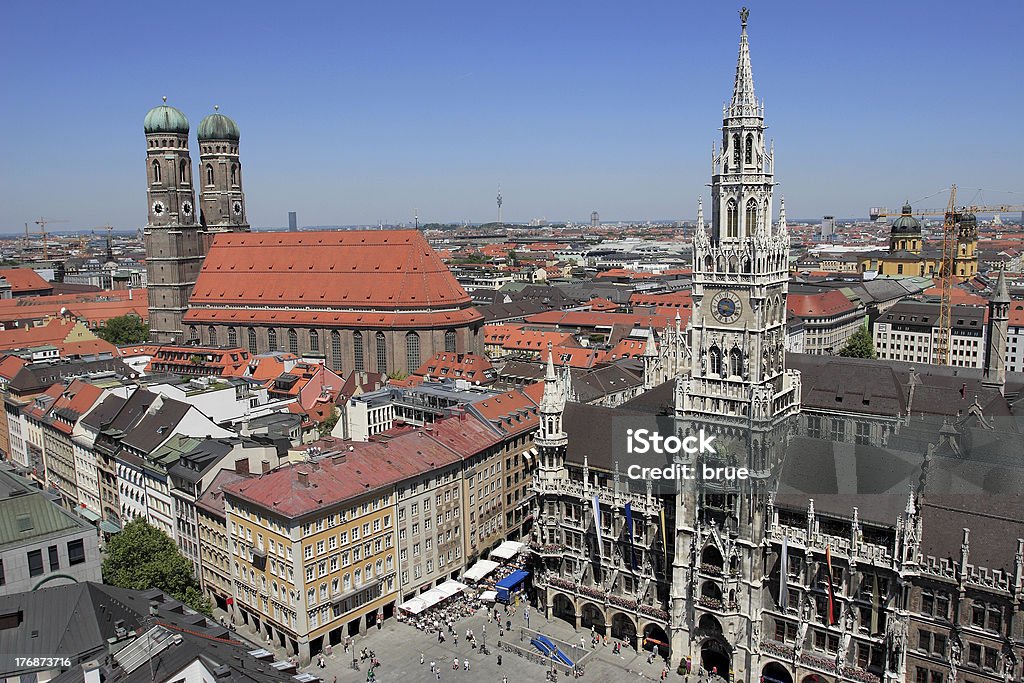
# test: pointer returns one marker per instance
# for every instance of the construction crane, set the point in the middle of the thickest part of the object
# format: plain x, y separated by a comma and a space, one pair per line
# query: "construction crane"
951, 217
42, 223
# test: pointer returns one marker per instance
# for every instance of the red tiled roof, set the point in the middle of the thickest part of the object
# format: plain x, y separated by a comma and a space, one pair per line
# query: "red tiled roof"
598, 319
512, 412
468, 366
364, 275
819, 305
10, 365
515, 338
92, 306
1016, 314
574, 357
24, 280
69, 336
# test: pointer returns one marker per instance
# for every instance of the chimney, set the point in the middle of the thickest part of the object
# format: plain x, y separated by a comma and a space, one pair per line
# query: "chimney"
264, 466
242, 465
303, 476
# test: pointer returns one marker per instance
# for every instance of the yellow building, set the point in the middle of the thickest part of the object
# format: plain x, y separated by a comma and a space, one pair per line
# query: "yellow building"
313, 551
909, 255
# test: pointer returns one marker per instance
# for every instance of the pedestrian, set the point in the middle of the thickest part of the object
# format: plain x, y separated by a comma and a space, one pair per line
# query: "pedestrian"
438, 674
499, 660
433, 666
455, 664
465, 665
456, 641
421, 658
504, 679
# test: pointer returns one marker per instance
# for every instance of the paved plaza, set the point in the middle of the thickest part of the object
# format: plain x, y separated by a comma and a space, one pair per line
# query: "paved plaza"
398, 646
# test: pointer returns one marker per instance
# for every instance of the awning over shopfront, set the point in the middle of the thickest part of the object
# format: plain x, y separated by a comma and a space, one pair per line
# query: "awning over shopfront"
479, 570
507, 550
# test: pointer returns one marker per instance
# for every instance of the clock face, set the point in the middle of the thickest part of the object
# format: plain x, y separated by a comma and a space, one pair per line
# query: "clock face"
726, 307
158, 208
186, 208
237, 208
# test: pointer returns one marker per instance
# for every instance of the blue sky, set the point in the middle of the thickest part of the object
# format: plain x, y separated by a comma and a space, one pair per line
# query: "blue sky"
357, 112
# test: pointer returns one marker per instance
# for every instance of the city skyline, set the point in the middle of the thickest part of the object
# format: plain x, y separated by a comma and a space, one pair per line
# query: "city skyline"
569, 112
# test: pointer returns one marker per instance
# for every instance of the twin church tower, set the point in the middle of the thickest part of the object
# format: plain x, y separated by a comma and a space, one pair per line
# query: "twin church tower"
179, 231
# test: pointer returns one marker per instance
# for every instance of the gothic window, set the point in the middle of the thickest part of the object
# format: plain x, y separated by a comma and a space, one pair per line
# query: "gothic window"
193, 333
748, 154
412, 351
252, 340
212, 333
336, 350
272, 339
736, 149
715, 360
731, 219
750, 221
209, 174
382, 353
232, 337
234, 174
736, 361
293, 341
314, 340
709, 264
357, 352
183, 172
156, 171
449, 341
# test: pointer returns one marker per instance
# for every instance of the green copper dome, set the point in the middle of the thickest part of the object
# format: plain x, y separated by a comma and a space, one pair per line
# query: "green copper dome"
216, 126
906, 223
165, 119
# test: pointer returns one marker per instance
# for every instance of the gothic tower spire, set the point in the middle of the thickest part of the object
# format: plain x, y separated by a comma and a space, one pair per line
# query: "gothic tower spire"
998, 330
744, 102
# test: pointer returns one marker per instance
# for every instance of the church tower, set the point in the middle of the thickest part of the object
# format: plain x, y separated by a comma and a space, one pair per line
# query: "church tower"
174, 248
736, 387
221, 200
551, 439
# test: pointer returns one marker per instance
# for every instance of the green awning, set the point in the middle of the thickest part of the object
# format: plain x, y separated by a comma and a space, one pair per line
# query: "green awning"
108, 527
88, 515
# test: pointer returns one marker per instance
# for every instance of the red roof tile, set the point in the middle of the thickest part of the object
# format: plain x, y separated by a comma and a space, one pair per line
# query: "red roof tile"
819, 305
24, 280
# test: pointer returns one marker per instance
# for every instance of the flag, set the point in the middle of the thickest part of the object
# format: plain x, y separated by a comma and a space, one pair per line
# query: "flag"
629, 535
876, 604
831, 591
783, 572
664, 537
597, 526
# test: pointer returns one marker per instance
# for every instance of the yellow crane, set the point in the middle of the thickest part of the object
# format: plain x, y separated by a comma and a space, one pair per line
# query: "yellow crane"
951, 217
42, 223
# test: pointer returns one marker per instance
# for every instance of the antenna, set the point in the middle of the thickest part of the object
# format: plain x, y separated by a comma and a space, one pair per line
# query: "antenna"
417, 218
500, 224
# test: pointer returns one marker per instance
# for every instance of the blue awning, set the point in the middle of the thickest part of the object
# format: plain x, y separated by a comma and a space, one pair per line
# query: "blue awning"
513, 579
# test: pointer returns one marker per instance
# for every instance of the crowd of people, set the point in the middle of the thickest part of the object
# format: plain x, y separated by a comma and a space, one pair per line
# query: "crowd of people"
438, 618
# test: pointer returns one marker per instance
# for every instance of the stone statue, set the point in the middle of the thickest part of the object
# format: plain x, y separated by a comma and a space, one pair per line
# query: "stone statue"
744, 13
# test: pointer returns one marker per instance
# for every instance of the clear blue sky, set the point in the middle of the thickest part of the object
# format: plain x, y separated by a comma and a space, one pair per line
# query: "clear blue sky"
354, 112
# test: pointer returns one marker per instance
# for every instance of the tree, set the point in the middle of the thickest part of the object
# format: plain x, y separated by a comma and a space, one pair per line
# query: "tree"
124, 329
327, 426
141, 556
859, 345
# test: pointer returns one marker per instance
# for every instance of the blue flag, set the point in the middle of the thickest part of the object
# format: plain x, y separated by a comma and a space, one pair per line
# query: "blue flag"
629, 535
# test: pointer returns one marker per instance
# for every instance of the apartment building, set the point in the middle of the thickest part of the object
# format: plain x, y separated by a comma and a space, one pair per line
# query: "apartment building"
909, 331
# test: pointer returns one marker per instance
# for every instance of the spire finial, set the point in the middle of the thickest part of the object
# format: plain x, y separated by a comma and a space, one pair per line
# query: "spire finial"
165, 99
216, 107
744, 13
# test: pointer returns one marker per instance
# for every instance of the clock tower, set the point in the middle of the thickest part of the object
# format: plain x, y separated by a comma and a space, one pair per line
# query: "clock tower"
221, 200
736, 387
174, 248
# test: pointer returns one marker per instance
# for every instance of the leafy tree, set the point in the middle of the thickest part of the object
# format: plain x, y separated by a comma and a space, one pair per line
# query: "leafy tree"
327, 426
141, 556
859, 345
397, 374
124, 329
513, 257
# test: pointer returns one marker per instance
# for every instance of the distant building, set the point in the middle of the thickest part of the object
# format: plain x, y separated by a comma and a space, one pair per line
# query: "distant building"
828, 227
293, 222
909, 332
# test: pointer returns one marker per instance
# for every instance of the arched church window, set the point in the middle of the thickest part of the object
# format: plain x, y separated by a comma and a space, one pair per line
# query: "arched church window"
293, 341
314, 340
736, 361
449, 341
748, 154
234, 174
211, 332
709, 264
357, 352
193, 333
182, 172
232, 337
750, 221
715, 360
731, 219
156, 172
252, 340
736, 149
382, 353
412, 351
209, 174
272, 339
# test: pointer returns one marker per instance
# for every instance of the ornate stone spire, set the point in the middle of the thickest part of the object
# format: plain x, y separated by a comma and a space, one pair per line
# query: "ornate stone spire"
1002, 293
782, 216
744, 102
